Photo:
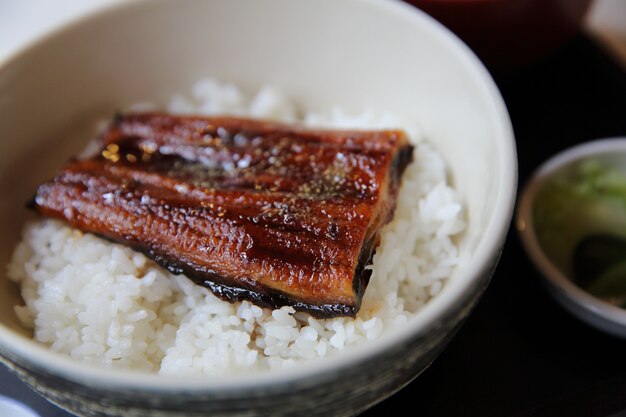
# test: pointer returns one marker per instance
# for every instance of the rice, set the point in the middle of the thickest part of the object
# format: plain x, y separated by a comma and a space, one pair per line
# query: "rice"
103, 303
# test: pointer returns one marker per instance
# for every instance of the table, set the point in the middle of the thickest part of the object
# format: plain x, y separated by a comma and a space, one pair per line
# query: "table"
519, 353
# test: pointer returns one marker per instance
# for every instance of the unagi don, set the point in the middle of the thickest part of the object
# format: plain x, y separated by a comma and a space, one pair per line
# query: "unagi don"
253, 210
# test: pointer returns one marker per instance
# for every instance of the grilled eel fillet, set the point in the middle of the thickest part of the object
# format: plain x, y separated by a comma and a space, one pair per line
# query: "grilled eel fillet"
272, 213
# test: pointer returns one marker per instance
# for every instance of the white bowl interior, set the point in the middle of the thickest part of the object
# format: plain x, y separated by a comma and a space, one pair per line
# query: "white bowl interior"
594, 311
381, 55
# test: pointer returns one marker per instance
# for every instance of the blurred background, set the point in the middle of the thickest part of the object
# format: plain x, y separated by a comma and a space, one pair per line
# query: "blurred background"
506, 34
561, 68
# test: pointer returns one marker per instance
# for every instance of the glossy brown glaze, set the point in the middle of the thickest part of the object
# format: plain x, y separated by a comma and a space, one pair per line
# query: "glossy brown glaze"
272, 213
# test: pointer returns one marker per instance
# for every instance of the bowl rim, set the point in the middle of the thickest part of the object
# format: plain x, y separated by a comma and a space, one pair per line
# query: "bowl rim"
581, 303
484, 258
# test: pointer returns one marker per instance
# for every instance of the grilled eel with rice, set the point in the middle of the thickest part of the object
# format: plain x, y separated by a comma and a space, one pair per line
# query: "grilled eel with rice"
273, 213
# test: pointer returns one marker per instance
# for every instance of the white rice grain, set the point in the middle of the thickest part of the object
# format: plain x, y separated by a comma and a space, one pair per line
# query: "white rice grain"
105, 304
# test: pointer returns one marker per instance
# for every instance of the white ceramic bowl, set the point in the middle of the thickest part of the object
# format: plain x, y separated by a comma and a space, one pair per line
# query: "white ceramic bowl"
13, 408
383, 55
592, 310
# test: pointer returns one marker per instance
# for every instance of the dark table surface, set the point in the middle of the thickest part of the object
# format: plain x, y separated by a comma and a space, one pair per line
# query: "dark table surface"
519, 354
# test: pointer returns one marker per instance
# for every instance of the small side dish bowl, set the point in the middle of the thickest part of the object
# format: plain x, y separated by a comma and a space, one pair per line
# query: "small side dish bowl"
356, 54
559, 276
